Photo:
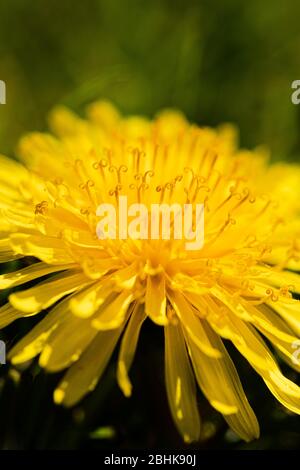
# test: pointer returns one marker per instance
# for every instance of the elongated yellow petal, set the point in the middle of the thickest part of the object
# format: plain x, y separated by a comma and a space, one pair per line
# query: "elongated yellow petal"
217, 317
180, 385
113, 314
8, 314
66, 344
83, 376
244, 423
12, 172
65, 123
220, 383
289, 311
47, 249
29, 273
286, 391
288, 352
33, 343
125, 278
87, 301
40, 152
281, 278
282, 388
6, 252
155, 301
281, 337
251, 345
210, 376
128, 348
264, 318
242, 335
234, 304
103, 114
48, 292
193, 325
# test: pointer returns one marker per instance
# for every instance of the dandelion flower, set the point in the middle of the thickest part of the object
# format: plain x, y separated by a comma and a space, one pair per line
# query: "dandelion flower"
241, 286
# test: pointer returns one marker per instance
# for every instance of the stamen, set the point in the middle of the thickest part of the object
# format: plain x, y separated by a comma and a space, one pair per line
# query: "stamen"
194, 141
87, 186
190, 170
212, 164
270, 293
139, 188
222, 204
219, 177
100, 166
115, 192
229, 221
242, 197
149, 174
285, 291
137, 154
84, 211
155, 152
107, 152
80, 169
204, 188
264, 209
202, 160
162, 189
121, 169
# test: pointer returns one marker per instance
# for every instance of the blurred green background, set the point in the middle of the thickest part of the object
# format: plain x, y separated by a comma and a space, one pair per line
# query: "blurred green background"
216, 61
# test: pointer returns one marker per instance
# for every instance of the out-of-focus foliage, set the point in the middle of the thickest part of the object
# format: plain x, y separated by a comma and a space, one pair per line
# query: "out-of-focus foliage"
216, 61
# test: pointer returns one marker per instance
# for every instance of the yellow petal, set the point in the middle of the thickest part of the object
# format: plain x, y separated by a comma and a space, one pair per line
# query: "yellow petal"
43, 154
83, 376
6, 252
29, 273
46, 293
282, 388
66, 344
180, 383
281, 337
128, 348
125, 278
8, 314
88, 300
234, 304
155, 301
33, 343
220, 383
64, 122
281, 278
252, 346
48, 249
264, 318
193, 325
289, 311
286, 391
104, 114
242, 334
12, 172
113, 314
